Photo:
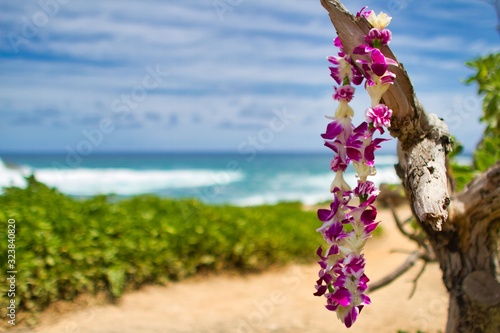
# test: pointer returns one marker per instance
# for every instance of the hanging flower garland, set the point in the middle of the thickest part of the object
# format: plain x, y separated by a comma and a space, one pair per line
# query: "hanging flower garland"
346, 227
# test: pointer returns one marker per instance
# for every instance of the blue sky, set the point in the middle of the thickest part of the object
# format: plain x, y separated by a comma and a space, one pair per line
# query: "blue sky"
163, 75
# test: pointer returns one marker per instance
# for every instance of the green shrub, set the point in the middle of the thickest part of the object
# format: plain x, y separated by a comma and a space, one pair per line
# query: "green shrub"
66, 246
487, 152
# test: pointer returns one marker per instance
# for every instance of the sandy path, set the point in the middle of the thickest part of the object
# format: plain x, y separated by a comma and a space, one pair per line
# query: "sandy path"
277, 301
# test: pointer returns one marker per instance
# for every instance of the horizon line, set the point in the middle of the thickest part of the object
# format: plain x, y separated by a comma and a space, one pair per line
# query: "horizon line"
186, 152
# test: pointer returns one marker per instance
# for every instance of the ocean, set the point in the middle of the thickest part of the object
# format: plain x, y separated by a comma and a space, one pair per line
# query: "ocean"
215, 178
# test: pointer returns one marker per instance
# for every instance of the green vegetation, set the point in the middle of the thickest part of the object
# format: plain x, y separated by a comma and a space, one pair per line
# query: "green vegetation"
462, 174
487, 78
487, 153
65, 246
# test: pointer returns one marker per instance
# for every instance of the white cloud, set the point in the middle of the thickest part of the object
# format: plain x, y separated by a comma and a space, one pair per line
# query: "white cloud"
261, 56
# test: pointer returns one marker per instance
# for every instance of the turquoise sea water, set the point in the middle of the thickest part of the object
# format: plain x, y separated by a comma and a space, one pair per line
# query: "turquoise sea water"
214, 178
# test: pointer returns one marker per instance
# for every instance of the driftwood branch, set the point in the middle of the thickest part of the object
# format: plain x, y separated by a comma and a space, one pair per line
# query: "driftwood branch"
419, 239
424, 253
403, 268
415, 280
423, 138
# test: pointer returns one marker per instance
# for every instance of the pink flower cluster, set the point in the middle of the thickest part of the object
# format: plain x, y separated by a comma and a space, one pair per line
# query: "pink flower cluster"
346, 227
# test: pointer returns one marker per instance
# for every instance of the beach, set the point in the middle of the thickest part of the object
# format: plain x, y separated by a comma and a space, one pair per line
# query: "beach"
279, 300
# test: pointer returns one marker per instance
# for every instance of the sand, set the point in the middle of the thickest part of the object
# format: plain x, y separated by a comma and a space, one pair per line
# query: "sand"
279, 301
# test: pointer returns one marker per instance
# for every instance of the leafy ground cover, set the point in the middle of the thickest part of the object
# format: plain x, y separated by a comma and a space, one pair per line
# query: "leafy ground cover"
66, 247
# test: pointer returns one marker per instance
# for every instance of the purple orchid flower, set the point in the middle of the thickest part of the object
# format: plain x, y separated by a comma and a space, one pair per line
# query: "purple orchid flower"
379, 116
377, 38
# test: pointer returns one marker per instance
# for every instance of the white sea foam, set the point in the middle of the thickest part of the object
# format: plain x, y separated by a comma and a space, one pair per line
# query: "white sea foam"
274, 197
11, 176
85, 182
242, 187
384, 175
307, 188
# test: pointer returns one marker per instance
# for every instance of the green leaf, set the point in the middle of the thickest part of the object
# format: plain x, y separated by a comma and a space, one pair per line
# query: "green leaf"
116, 280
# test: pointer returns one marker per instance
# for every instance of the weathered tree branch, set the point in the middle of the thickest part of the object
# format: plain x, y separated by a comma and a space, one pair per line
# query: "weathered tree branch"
419, 239
466, 242
425, 253
403, 268
423, 138
415, 280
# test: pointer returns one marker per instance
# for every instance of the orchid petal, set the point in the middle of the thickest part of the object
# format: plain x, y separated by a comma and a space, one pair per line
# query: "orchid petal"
333, 130
342, 296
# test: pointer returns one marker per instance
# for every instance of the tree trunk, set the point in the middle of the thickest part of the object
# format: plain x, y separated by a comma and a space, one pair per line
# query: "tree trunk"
463, 228
469, 258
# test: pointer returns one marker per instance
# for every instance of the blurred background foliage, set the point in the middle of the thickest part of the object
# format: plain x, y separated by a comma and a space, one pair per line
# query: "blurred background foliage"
487, 153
